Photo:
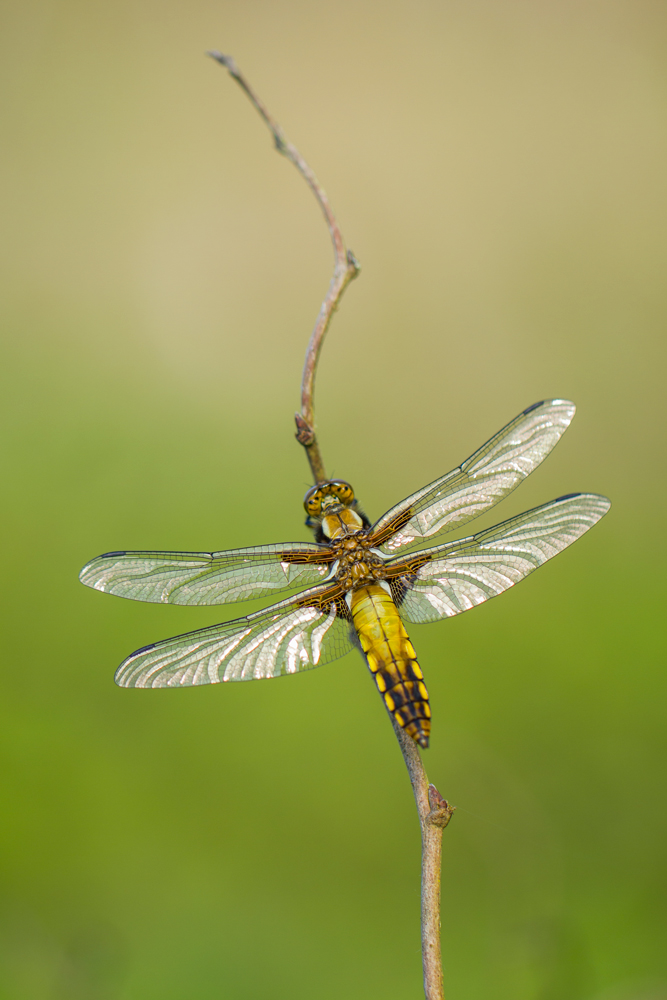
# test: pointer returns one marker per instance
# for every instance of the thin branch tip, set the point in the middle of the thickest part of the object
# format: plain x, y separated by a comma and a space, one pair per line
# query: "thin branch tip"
346, 268
224, 60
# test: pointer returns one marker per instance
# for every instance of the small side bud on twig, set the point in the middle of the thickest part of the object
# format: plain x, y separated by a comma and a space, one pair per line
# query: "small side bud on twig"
441, 811
305, 434
353, 263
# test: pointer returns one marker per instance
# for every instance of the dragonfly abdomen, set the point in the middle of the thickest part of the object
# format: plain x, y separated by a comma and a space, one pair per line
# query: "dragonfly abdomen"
392, 660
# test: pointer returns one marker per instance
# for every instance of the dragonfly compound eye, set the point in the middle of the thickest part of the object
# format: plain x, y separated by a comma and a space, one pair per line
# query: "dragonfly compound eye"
342, 490
313, 501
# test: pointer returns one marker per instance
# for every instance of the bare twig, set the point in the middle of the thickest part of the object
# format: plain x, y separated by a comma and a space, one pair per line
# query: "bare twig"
346, 267
434, 815
434, 811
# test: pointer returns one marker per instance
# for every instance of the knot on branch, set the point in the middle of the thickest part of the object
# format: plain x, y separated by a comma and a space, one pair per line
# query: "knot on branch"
305, 434
353, 264
441, 811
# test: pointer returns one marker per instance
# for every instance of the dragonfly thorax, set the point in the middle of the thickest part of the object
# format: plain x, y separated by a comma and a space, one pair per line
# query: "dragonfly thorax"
339, 522
357, 563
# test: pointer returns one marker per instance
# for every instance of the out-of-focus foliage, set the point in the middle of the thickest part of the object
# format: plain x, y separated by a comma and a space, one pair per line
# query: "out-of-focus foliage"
499, 170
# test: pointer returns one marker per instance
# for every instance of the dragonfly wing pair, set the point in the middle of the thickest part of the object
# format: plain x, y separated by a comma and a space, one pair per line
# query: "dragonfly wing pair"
451, 578
315, 627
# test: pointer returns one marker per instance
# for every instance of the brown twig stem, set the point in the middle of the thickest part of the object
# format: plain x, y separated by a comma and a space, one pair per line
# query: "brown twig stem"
434, 811
346, 267
434, 815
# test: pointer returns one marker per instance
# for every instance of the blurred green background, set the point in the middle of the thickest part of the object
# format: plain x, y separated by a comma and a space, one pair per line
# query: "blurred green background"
499, 171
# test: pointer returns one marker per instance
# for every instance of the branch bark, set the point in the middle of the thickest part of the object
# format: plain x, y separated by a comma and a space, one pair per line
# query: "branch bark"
434, 815
434, 811
346, 268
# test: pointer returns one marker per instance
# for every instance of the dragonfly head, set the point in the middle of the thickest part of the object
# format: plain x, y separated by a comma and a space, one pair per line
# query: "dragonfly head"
332, 510
326, 497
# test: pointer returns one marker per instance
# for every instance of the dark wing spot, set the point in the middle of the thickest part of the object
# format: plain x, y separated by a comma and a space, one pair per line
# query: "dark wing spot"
568, 496
534, 406
399, 588
144, 649
108, 555
354, 639
342, 610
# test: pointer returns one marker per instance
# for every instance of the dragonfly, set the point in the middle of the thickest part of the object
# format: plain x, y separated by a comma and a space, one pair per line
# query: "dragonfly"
363, 581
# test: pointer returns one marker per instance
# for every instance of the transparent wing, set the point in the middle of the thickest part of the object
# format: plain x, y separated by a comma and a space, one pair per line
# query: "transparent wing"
482, 481
207, 577
284, 639
462, 574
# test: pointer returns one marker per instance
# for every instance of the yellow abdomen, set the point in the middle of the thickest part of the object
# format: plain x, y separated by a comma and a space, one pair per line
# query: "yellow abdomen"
392, 660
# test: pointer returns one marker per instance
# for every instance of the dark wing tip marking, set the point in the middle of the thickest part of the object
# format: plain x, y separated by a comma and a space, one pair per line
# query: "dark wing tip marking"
591, 496
144, 649
108, 555
547, 402
534, 406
